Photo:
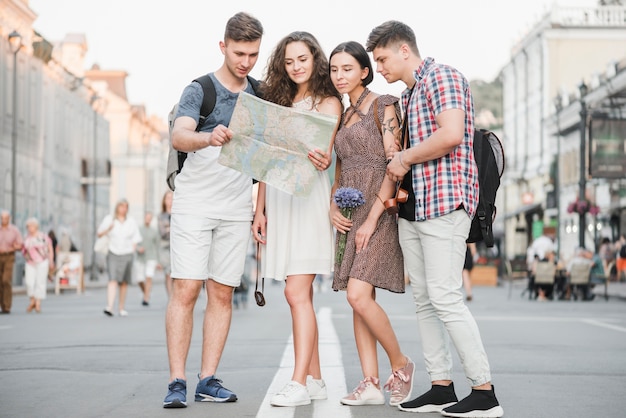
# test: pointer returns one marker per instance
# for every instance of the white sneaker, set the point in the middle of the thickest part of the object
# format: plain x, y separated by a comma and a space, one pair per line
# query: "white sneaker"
123, 313
293, 394
316, 388
367, 393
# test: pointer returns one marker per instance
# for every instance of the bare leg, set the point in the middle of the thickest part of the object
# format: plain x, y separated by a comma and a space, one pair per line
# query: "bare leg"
217, 319
298, 292
147, 289
314, 366
168, 284
123, 290
374, 325
179, 324
31, 305
366, 346
111, 292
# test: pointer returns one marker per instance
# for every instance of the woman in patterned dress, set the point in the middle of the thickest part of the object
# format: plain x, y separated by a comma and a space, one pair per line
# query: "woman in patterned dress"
296, 233
373, 257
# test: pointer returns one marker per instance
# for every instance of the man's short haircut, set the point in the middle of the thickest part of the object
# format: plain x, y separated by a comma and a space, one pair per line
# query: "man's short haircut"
243, 27
391, 33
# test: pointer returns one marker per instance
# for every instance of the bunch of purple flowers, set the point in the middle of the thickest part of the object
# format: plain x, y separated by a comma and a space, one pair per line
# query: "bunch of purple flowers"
346, 198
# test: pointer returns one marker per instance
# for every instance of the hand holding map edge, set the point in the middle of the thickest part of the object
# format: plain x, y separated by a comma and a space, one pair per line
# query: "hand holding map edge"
272, 143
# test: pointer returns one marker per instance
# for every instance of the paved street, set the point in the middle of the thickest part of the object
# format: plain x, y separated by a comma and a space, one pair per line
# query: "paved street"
549, 359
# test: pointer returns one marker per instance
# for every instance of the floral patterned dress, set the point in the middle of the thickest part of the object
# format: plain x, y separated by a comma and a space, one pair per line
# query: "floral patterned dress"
363, 166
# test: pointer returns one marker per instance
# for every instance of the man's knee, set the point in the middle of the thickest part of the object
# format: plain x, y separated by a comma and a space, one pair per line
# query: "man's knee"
219, 293
186, 292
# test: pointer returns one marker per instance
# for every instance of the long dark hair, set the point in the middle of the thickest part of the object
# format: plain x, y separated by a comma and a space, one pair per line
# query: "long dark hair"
278, 88
360, 55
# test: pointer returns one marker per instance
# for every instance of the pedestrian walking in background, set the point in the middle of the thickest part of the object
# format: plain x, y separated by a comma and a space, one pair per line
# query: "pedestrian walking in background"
373, 258
296, 233
620, 262
470, 254
124, 236
211, 214
163, 223
147, 257
438, 170
10, 242
39, 256
54, 241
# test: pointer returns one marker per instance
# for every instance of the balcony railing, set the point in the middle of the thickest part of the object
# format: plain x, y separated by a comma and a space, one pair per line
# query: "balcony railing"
589, 16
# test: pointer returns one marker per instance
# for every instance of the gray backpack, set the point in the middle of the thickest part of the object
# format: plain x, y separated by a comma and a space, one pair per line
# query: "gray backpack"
176, 159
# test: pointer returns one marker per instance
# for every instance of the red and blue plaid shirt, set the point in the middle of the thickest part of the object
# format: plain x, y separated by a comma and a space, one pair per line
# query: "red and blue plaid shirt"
443, 185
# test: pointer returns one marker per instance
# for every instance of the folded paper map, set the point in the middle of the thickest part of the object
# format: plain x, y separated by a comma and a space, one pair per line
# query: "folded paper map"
271, 143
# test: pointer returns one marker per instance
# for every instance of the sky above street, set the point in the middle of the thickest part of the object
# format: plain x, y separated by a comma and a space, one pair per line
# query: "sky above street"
164, 45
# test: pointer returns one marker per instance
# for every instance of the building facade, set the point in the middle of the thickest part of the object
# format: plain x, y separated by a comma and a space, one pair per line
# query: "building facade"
77, 143
568, 46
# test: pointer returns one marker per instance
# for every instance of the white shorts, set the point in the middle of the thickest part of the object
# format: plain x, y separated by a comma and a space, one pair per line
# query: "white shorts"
143, 270
203, 248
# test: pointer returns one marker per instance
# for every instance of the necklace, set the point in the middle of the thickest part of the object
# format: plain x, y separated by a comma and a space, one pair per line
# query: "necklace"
355, 107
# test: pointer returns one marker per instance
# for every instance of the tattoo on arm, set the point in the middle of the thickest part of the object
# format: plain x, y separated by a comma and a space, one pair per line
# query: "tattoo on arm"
389, 126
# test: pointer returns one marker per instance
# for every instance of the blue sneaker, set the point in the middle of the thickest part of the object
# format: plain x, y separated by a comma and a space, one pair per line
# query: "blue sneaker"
210, 389
176, 394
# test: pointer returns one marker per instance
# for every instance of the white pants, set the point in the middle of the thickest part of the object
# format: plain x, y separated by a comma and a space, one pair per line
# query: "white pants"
434, 253
36, 276
144, 270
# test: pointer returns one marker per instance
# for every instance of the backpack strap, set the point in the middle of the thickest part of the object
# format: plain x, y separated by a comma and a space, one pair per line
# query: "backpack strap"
375, 107
208, 100
210, 96
254, 83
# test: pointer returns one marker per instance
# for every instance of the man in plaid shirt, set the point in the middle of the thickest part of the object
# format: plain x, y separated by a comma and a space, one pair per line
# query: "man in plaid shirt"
435, 222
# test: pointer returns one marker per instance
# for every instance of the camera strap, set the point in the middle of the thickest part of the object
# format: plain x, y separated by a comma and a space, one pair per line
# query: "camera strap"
258, 296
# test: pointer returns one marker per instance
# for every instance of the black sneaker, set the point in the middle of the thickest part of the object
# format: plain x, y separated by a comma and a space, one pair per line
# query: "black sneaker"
437, 398
479, 403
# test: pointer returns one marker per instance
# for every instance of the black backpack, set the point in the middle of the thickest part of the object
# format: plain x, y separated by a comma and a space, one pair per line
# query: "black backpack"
489, 156
175, 158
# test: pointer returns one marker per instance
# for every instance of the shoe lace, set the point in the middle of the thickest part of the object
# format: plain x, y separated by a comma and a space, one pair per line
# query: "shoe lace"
216, 385
363, 384
395, 381
288, 388
177, 387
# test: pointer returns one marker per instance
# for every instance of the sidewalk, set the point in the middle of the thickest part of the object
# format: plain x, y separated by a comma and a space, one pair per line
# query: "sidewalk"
100, 282
615, 290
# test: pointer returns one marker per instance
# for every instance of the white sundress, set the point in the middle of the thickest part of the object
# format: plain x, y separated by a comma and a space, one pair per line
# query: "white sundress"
300, 237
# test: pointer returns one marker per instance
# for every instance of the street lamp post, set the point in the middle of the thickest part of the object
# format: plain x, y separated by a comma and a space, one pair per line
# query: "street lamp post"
558, 104
15, 40
94, 269
582, 181
146, 148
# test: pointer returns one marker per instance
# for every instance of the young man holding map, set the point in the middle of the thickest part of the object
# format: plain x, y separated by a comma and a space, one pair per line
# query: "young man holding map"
211, 215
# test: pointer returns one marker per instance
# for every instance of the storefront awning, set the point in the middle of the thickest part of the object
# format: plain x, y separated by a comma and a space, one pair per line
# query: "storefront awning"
532, 208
